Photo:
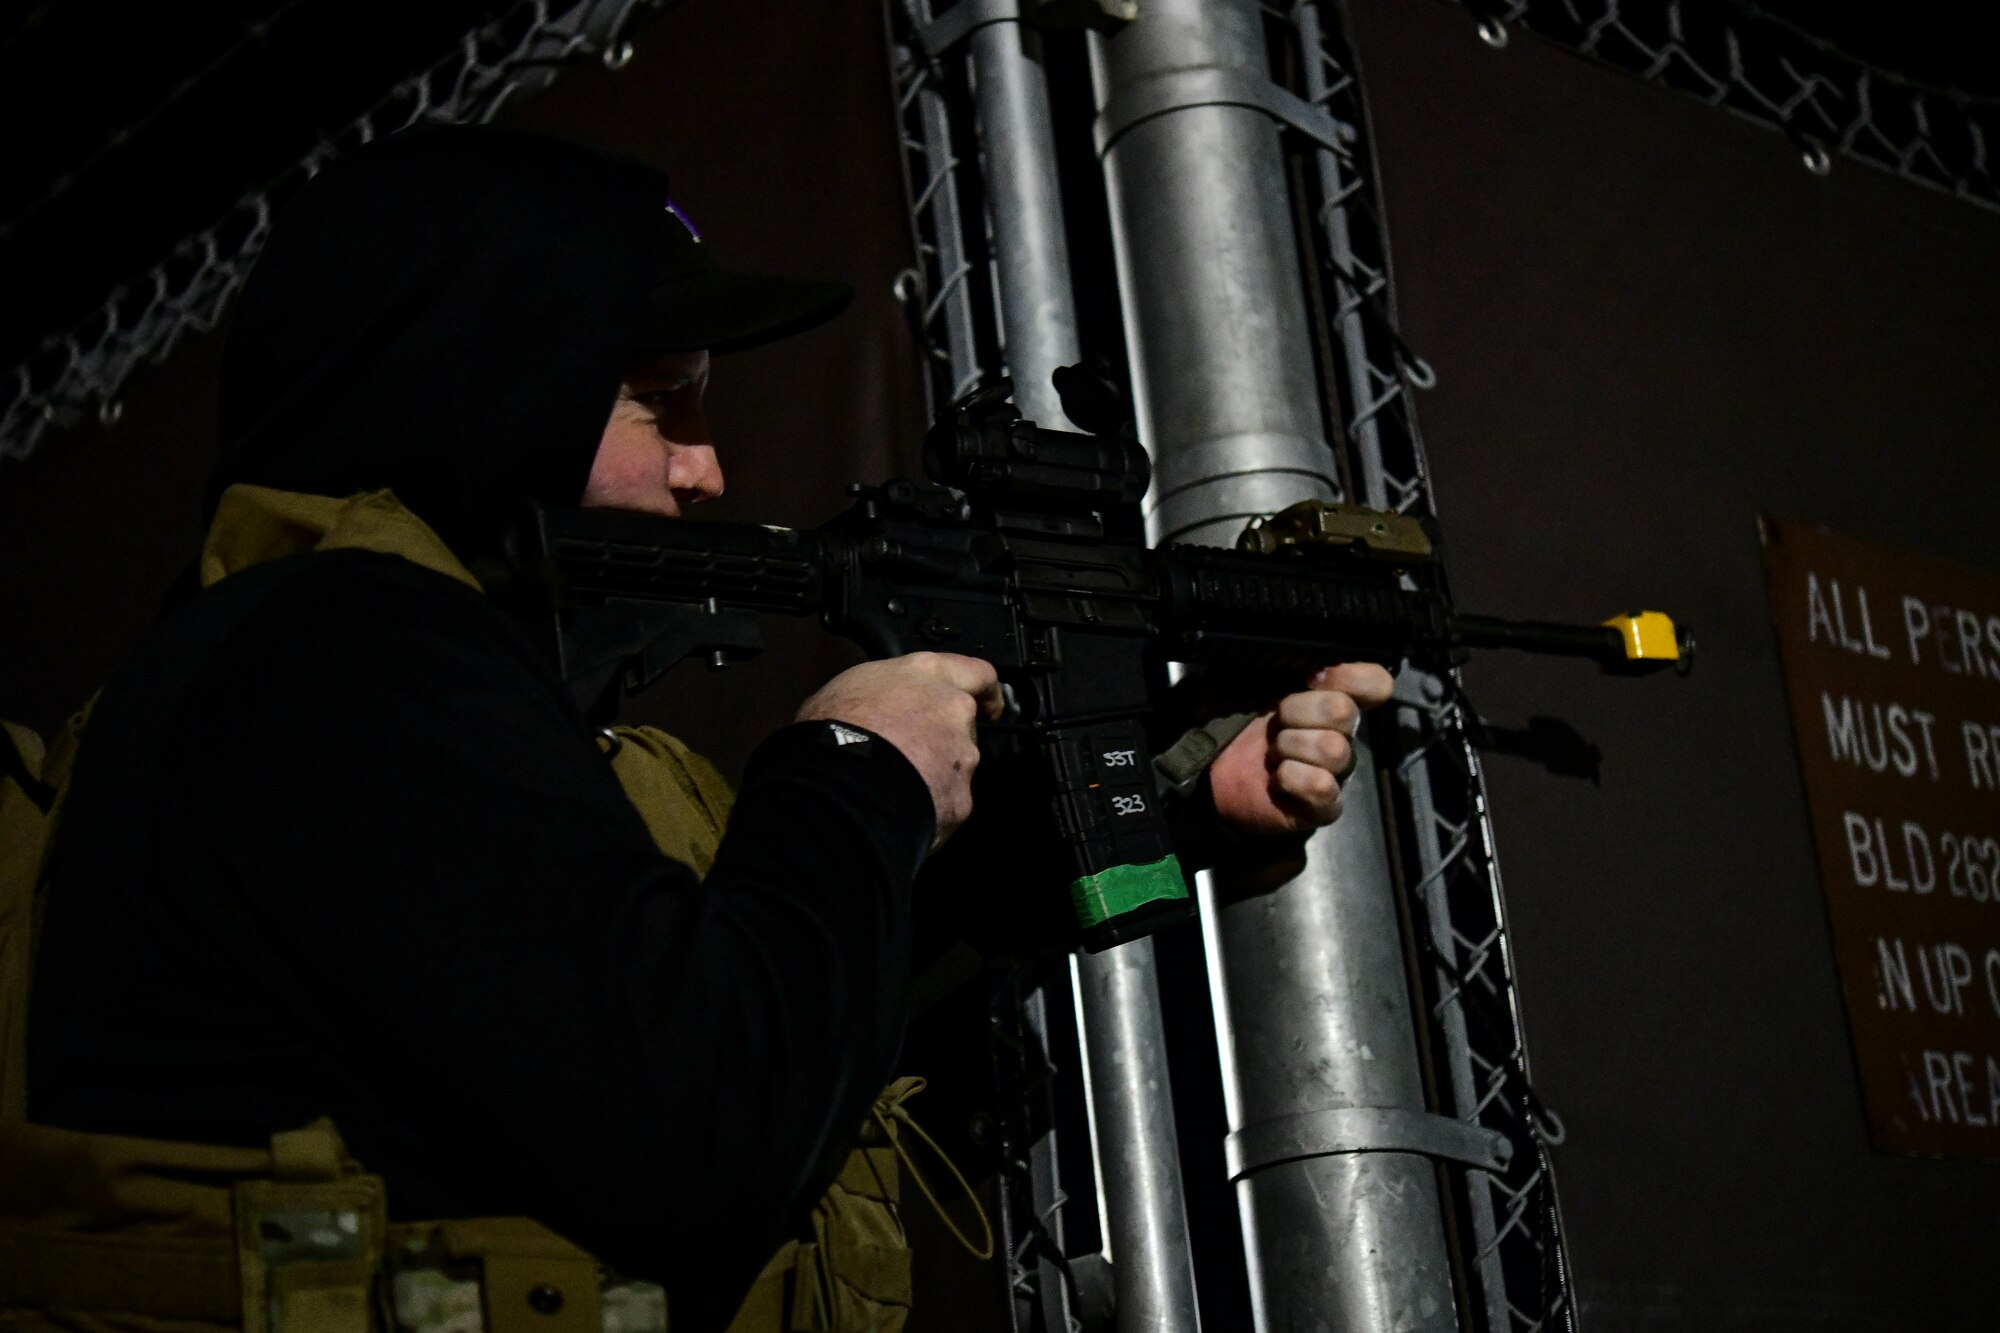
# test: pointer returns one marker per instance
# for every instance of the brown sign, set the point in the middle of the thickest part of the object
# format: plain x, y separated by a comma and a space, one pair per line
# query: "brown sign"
1892, 662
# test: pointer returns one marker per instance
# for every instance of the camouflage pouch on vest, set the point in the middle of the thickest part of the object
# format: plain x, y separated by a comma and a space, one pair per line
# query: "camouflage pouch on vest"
853, 1276
683, 799
32, 786
855, 1272
102, 1234
508, 1275
309, 1238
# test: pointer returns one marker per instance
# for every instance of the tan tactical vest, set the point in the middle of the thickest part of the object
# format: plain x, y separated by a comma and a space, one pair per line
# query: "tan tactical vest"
103, 1234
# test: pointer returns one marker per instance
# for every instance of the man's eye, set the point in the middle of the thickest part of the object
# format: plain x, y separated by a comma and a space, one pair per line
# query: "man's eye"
664, 392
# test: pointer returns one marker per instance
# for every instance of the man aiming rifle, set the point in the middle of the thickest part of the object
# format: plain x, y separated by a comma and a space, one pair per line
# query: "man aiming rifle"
336, 850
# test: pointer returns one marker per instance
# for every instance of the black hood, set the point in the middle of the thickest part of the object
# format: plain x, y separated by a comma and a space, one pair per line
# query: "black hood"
448, 313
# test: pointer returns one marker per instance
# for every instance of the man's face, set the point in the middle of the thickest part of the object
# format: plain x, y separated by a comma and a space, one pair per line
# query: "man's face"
656, 456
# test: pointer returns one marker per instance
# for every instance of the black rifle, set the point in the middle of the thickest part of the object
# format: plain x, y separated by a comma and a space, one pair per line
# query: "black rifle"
1027, 548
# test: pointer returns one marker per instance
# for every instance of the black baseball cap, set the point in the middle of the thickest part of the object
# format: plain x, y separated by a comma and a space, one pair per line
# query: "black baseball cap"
447, 313
695, 303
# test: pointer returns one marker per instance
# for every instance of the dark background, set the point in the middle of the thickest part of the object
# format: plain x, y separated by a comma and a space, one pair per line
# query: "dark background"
1650, 323
787, 162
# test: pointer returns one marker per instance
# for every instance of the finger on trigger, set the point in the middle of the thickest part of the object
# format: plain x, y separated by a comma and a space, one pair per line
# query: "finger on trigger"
1366, 683
976, 676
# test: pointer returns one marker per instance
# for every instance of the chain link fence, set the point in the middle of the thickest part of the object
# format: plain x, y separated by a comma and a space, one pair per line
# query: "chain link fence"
948, 297
942, 291
83, 369
1509, 1230
1517, 1274
1730, 56
1516, 1271
1763, 68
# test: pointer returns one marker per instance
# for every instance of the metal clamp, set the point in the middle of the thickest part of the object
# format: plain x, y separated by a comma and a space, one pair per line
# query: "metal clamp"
1212, 85
1347, 1129
956, 24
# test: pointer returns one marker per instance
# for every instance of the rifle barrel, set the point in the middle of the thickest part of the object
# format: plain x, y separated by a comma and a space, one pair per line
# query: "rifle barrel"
1602, 644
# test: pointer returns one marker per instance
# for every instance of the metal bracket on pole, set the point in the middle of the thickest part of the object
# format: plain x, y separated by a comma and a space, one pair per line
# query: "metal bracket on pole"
956, 24
1211, 85
1349, 1129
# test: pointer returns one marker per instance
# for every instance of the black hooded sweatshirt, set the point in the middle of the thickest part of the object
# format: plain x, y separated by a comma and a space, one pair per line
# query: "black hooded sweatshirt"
339, 844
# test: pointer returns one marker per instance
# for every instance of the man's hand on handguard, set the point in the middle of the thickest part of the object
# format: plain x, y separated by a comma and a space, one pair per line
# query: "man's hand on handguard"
928, 706
1282, 774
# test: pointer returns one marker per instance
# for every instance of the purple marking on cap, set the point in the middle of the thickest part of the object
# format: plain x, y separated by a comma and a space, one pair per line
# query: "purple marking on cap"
675, 209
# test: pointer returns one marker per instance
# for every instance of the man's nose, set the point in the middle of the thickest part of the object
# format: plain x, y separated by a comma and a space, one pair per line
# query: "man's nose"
694, 474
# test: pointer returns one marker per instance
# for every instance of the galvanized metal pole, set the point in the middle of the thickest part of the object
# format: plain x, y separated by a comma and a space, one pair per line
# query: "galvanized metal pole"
1138, 1160
1135, 1155
1365, 394
1024, 200
1341, 1218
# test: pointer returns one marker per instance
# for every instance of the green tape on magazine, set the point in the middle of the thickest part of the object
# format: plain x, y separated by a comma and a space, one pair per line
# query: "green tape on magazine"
1121, 889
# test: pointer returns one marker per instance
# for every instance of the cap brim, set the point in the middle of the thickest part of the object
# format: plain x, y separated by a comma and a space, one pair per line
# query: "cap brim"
720, 311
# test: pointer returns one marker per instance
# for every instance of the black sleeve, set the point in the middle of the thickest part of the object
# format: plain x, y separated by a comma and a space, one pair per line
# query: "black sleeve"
451, 892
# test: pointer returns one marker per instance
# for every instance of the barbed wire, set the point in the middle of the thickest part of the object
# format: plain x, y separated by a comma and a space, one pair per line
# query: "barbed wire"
142, 320
1751, 63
